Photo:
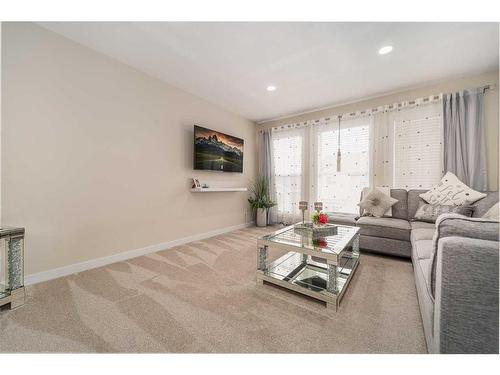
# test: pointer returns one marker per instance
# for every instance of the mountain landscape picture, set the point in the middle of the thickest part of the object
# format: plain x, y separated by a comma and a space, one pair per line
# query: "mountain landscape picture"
217, 151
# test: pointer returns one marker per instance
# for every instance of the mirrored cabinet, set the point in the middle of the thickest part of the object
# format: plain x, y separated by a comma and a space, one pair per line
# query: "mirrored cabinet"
12, 267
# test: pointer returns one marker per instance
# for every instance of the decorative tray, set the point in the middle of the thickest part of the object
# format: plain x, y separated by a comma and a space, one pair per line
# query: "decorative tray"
315, 231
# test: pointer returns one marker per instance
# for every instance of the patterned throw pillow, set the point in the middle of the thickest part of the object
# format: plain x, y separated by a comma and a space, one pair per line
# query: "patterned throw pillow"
492, 213
430, 212
451, 191
376, 203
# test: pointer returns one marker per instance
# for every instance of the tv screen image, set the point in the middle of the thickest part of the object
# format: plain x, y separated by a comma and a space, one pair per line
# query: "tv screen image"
217, 151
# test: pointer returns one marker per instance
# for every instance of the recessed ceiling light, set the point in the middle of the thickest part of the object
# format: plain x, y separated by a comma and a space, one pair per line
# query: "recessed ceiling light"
384, 50
271, 88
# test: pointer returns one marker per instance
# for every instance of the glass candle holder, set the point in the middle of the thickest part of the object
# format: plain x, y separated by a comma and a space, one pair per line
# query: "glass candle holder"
318, 206
303, 207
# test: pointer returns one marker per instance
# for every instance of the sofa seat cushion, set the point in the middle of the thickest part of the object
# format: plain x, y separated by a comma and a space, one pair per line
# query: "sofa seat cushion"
422, 249
387, 246
422, 231
425, 266
422, 225
426, 302
397, 229
342, 218
421, 234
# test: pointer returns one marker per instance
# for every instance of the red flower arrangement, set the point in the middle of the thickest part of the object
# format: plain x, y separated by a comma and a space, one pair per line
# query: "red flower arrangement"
323, 219
319, 218
320, 242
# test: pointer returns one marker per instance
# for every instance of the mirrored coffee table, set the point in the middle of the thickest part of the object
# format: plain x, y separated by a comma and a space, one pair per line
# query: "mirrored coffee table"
320, 268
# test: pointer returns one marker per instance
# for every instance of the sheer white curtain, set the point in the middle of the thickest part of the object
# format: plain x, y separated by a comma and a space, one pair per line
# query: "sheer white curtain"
289, 163
340, 191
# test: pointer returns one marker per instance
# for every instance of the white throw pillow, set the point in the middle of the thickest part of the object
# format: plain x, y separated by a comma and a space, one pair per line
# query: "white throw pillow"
451, 191
377, 202
383, 189
492, 213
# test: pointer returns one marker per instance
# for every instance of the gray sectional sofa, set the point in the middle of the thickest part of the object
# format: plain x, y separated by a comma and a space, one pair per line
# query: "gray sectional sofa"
455, 264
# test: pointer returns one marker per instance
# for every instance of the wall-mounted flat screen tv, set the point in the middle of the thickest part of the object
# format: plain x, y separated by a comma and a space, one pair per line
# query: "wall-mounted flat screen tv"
216, 151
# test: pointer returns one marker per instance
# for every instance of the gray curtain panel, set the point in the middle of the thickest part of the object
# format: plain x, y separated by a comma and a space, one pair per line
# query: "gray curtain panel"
464, 141
266, 169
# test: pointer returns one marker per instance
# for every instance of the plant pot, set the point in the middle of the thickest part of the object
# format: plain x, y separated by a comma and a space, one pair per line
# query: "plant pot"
261, 217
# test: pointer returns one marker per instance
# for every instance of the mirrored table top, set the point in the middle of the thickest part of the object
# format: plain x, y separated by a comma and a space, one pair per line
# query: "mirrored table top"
329, 245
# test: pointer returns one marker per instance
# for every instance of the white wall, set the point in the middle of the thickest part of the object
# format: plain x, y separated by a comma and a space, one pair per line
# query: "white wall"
0, 123
97, 156
491, 107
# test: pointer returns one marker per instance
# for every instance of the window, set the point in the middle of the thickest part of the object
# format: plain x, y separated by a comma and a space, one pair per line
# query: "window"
399, 147
418, 150
340, 191
288, 152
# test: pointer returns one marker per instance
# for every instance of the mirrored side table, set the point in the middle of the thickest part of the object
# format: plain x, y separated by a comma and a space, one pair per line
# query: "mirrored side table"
12, 267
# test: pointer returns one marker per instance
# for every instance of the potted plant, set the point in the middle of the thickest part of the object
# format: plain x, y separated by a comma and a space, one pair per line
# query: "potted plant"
260, 201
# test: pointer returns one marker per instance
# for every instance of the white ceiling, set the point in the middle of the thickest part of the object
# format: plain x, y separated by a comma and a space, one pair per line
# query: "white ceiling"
312, 64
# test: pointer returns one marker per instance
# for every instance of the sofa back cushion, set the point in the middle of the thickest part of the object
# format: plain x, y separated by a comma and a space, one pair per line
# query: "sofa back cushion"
400, 208
414, 201
409, 201
484, 204
430, 212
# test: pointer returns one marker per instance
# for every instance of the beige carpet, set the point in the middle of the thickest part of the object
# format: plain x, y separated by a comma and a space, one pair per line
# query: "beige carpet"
202, 297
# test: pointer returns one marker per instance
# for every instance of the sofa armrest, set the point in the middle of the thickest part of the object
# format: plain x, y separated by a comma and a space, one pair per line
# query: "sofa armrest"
462, 226
466, 296
455, 225
342, 218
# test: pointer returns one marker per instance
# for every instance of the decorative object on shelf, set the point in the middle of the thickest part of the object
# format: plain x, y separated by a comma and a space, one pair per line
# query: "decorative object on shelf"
314, 231
13, 290
205, 186
339, 155
303, 207
196, 184
260, 201
318, 206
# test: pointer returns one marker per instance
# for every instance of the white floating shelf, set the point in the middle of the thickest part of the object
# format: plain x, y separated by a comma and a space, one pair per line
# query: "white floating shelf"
215, 189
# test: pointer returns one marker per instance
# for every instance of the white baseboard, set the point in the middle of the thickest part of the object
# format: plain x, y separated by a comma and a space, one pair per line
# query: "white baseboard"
99, 262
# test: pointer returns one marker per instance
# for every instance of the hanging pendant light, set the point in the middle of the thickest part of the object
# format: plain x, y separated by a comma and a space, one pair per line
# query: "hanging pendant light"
339, 155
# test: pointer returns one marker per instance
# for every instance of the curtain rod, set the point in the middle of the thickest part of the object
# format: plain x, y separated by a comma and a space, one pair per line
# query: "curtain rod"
365, 112
487, 87
384, 108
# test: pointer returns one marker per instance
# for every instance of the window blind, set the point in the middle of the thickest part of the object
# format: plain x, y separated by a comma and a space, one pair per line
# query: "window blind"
418, 150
